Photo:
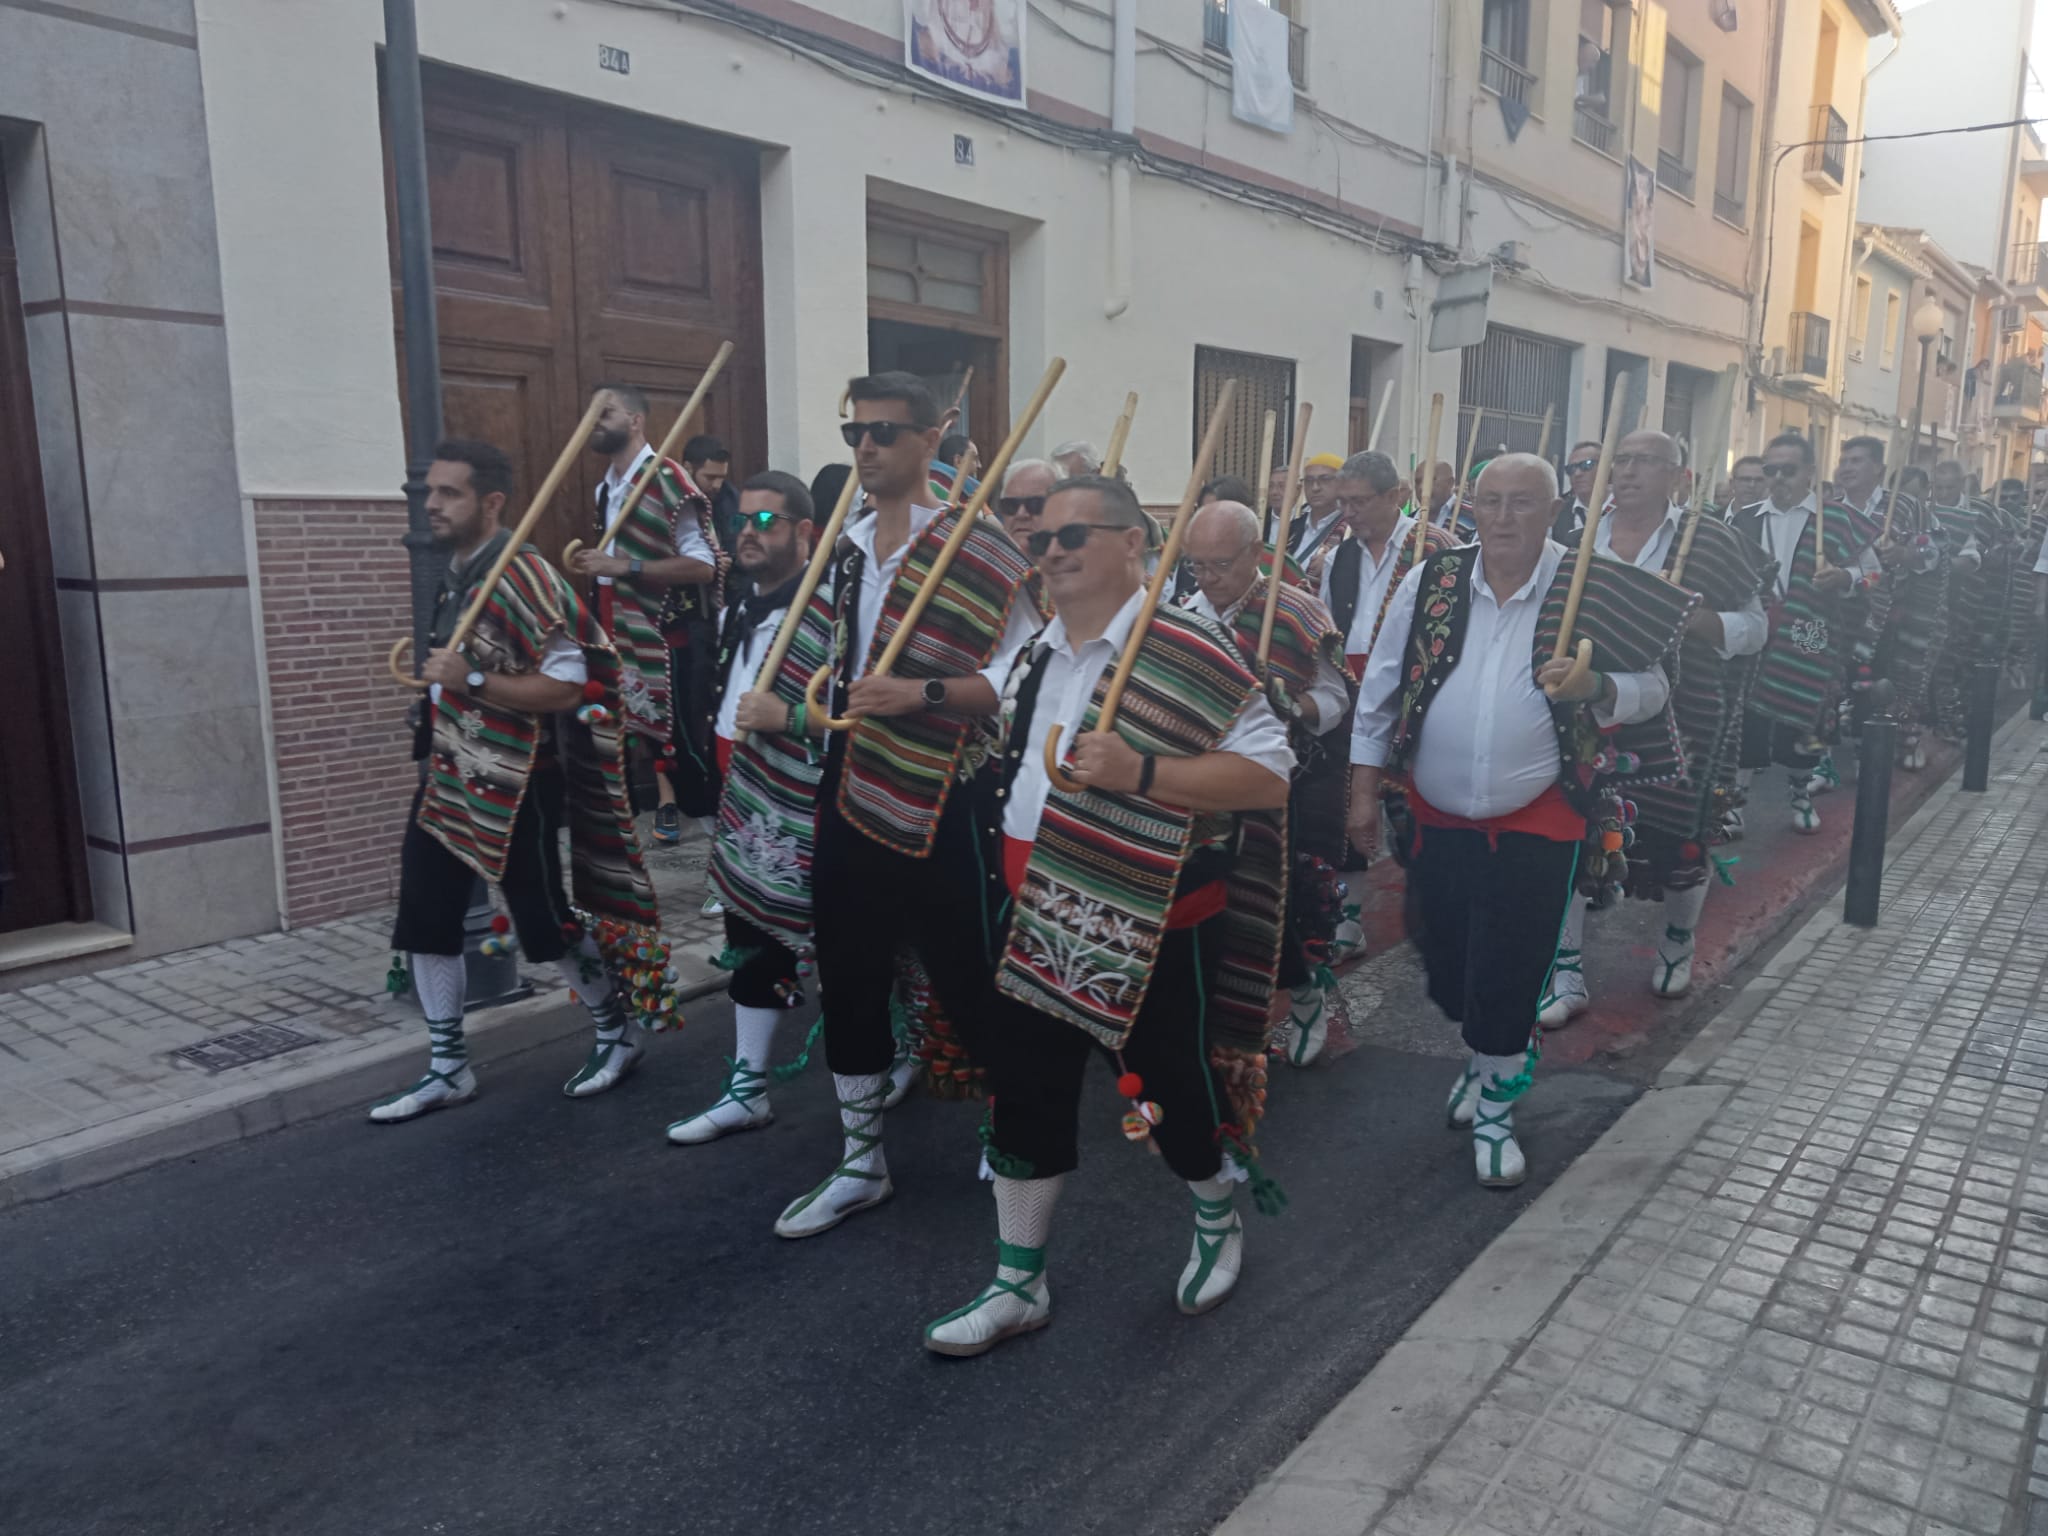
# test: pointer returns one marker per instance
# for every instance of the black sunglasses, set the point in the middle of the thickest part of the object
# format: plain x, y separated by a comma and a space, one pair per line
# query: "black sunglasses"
1020, 506
884, 433
1782, 471
1577, 465
1071, 537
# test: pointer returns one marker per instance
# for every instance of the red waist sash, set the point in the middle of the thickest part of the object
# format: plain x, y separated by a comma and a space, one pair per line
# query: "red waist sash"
1356, 666
1189, 910
723, 745
1549, 815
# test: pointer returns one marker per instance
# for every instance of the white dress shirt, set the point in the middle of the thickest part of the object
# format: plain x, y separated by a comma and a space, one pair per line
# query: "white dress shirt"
876, 576
1743, 632
1063, 695
1329, 692
746, 666
1488, 747
1787, 526
690, 541
1373, 576
1309, 535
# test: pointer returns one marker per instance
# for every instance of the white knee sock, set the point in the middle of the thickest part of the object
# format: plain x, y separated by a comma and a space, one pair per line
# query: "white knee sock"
441, 982
1682, 915
860, 1118
1024, 1219
754, 1035
1573, 934
583, 969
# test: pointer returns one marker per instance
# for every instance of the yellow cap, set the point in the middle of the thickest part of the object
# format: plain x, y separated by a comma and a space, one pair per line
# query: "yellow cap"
1325, 461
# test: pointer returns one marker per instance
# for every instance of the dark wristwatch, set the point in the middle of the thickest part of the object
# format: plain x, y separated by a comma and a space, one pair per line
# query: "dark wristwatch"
633, 567
935, 692
474, 683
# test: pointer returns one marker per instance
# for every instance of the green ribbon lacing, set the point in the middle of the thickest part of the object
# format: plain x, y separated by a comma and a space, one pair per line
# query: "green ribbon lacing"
732, 957
1502, 1124
1030, 1261
743, 1085
788, 1070
1724, 869
445, 1039
397, 980
1001, 1163
1268, 1198
864, 1137
1209, 1240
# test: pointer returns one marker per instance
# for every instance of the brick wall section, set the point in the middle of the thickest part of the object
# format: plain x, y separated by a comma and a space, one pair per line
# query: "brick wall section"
336, 594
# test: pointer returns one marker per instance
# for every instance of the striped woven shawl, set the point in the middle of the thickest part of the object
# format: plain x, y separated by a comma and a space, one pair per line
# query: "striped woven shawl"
482, 756
637, 610
1085, 929
1806, 659
767, 816
900, 770
1303, 636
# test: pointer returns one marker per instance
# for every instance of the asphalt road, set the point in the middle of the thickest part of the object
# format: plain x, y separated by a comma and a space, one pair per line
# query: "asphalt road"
532, 1315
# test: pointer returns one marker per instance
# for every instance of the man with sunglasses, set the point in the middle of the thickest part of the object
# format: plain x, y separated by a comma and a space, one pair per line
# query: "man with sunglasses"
1911, 610
1511, 785
893, 805
1144, 913
1579, 468
1024, 491
1675, 819
1816, 622
762, 845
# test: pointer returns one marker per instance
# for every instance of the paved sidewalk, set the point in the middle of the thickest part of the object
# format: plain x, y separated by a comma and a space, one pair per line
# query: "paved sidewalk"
287, 1026
1801, 1287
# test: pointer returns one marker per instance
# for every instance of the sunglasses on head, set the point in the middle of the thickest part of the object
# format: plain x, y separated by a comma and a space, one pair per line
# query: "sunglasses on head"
1578, 466
1008, 507
884, 433
1783, 471
1070, 537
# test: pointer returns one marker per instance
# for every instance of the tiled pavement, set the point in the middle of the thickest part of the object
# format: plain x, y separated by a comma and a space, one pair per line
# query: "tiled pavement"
85, 1060
1828, 1313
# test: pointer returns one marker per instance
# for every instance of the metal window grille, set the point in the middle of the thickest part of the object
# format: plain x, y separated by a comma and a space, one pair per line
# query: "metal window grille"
1263, 384
1511, 377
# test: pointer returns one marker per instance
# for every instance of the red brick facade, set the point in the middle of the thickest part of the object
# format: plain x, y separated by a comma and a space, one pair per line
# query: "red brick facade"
336, 594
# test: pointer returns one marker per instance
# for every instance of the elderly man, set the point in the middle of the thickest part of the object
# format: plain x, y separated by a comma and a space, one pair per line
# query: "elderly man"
1079, 457
1307, 684
1746, 485
1816, 622
1361, 576
1025, 488
1675, 820
1151, 866
1571, 514
1316, 529
1505, 763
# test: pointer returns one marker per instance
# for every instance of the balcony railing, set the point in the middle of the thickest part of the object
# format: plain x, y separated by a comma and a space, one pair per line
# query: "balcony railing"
2019, 391
1827, 156
1216, 34
1504, 77
2030, 267
1733, 209
1806, 345
1674, 174
1593, 130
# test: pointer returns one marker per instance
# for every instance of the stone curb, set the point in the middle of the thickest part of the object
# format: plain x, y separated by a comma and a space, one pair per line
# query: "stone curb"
321, 1087
1382, 1435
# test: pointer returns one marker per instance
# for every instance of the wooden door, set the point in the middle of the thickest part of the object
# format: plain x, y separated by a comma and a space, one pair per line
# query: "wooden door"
575, 245
42, 835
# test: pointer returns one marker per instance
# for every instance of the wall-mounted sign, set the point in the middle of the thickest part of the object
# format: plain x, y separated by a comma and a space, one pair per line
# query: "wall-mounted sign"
617, 60
976, 46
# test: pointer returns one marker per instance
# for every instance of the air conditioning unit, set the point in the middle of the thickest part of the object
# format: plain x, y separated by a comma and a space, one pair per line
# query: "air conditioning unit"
2012, 317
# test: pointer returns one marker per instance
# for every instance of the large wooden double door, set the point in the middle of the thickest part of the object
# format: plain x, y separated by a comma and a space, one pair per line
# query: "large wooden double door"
575, 245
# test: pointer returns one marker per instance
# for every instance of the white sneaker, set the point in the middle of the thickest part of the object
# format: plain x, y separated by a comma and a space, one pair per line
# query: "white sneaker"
1731, 825
1673, 974
1217, 1258
1567, 997
1003, 1310
845, 1192
1824, 776
606, 1065
1496, 1154
1464, 1097
743, 1106
437, 1090
1914, 758
1308, 1026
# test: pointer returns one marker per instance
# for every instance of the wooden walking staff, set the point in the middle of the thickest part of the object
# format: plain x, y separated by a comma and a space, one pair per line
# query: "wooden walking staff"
944, 560
1169, 557
1268, 429
1582, 661
646, 476
959, 399
1702, 472
1891, 489
1543, 437
1280, 528
1119, 435
793, 616
1424, 512
1465, 467
520, 533
1379, 417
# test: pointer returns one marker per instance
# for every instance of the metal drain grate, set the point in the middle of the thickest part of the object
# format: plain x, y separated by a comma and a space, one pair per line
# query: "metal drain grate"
259, 1042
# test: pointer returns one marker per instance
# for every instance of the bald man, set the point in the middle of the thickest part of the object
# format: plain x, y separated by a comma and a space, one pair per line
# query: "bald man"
1675, 821
1503, 766
1307, 683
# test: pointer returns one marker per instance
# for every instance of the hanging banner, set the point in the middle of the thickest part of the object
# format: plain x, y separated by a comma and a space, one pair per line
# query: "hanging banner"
1261, 86
1638, 225
975, 46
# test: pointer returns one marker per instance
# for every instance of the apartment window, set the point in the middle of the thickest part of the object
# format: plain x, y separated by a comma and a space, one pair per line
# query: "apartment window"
1888, 352
1598, 85
1216, 33
1504, 49
1859, 318
1731, 160
1678, 121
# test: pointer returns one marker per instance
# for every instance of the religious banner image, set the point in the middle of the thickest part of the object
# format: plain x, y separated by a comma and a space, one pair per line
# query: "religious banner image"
1638, 225
976, 46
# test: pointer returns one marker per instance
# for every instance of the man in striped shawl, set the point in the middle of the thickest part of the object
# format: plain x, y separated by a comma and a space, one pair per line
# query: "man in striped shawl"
1674, 821
1910, 608
762, 847
1308, 685
889, 815
1981, 544
1137, 928
1506, 780
658, 595
506, 765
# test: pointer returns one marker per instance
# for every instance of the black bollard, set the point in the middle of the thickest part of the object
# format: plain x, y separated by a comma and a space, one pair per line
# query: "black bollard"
1983, 710
1874, 754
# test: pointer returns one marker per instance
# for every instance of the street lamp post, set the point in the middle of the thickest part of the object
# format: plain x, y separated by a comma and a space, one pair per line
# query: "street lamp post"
1927, 323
